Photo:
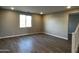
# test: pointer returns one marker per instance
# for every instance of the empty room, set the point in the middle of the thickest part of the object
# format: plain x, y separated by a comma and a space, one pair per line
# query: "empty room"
39, 29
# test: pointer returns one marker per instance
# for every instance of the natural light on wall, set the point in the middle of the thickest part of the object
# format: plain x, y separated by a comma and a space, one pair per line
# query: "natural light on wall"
25, 21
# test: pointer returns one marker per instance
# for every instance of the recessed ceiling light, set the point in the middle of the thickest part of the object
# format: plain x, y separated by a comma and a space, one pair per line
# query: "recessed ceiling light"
41, 12
12, 8
68, 7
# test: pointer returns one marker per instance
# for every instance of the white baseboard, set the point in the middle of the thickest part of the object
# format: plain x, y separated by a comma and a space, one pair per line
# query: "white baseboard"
19, 35
56, 36
32, 34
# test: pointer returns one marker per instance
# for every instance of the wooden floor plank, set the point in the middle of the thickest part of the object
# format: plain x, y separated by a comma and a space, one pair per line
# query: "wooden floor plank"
39, 43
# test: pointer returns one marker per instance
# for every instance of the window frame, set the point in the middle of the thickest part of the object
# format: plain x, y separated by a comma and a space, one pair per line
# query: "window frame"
25, 21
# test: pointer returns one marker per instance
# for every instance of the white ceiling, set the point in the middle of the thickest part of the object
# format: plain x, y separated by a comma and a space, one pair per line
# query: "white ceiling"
38, 9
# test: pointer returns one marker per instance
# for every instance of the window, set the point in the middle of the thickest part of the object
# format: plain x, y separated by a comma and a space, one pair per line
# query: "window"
25, 21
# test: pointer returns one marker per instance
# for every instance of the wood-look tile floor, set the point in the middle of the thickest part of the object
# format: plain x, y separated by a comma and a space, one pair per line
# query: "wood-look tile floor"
39, 43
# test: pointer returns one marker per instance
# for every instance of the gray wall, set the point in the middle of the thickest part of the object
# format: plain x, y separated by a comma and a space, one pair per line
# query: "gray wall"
73, 22
0, 24
56, 24
0, 27
10, 24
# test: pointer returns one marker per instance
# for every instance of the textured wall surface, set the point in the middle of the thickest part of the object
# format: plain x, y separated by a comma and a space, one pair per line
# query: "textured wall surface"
73, 22
56, 24
10, 24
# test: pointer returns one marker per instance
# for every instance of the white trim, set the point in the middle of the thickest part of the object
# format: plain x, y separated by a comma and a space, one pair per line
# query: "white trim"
75, 40
19, 35
32, 34
77, 29
56, 36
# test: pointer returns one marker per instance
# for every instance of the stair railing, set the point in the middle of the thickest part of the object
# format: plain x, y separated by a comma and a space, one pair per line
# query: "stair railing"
75, 40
